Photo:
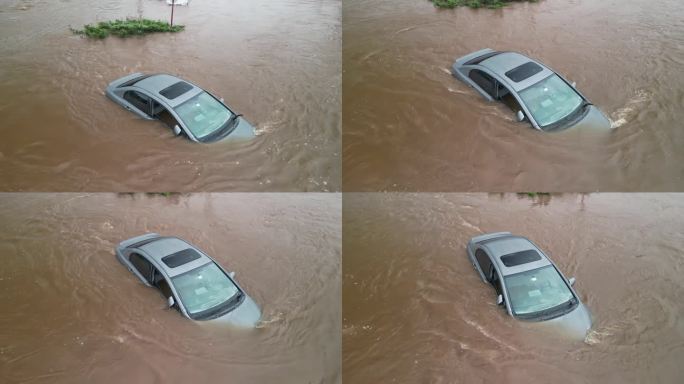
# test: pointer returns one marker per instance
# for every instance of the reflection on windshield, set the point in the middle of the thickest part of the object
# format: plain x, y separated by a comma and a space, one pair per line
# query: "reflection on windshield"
536, 290
550, 100
203, 114
204, 288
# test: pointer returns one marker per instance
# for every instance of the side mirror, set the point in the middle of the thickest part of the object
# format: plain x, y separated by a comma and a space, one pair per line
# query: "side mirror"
573, 84
232, 275
171, 302
571, 281
499, 300
176, 130
520, 115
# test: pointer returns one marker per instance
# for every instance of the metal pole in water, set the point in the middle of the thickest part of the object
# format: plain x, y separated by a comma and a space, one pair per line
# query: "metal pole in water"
173, 5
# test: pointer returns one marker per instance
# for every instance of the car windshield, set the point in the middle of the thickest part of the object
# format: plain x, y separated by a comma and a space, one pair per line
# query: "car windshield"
536, 290
203, 115
550, 100
204, 288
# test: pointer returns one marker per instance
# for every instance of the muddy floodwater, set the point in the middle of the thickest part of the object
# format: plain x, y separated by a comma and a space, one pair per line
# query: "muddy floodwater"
415, 310
278, 63
71, 313
410, 125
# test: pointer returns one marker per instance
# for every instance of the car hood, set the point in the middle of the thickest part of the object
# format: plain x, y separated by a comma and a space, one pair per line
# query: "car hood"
593, 121
242, 132
574, 324
247, 315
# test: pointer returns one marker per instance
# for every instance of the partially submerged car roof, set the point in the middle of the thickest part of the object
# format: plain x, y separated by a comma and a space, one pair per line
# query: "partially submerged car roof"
173, 90
514, 254
506, 64
172, 254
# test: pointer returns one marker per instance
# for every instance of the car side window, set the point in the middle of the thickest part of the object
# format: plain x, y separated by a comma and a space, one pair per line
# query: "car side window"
483, 261
496, 283
501, 91
138, 100
504, 95
142, 265
163, 114
484, 81
160, 282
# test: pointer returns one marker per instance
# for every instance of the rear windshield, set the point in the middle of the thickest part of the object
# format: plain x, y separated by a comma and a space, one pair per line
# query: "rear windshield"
482, 58
134, 80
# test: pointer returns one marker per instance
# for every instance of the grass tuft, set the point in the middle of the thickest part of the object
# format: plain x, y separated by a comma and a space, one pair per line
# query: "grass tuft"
492, 4
126, 28
534, 194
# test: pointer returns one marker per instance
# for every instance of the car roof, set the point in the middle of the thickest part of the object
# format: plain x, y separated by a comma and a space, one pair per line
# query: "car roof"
506, 61
506, 245
156, 83
165, 246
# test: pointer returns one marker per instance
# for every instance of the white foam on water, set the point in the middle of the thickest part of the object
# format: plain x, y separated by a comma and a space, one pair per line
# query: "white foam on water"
471, 226
488, 335
277, 318
595, 336
627, 113
456, 91
264, 128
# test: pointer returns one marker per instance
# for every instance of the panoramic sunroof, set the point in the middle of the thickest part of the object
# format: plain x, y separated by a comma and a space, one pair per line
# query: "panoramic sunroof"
173, 91
522, 257
524, 71
181, 257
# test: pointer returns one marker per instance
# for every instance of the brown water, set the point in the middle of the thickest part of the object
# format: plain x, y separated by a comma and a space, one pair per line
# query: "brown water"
409, 125
278, 63
71, 313
415, 310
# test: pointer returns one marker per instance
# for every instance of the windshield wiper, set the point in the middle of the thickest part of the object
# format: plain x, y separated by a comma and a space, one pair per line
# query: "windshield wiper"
223, 131
225, 307
550, 313
233, 118
558, 310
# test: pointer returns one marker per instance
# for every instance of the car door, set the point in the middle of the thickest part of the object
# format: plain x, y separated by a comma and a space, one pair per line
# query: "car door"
151, 274
143, 266
484, 263
139, 101
160, 282
162, 114
494, 280
484, 81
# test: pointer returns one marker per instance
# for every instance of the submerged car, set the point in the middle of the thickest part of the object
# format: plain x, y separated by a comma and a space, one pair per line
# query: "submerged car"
527, 282
191, 281
183, 106
532, 90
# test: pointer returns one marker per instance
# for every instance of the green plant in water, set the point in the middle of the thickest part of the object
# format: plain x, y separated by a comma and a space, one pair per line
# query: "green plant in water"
534, 194
125, 28
474, 3
164, 194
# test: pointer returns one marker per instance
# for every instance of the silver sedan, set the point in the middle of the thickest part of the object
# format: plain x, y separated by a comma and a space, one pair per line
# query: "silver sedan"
532, 90
192, 282
183, 106
527, 283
